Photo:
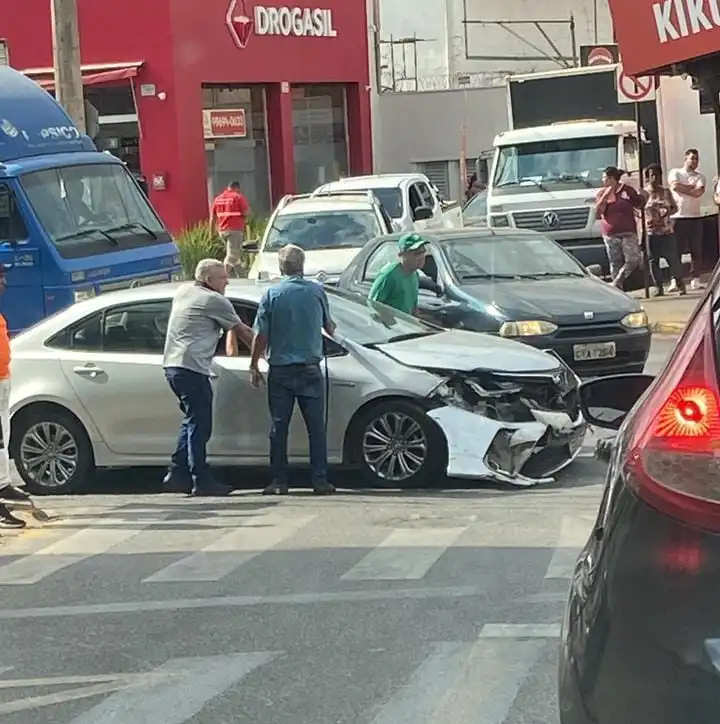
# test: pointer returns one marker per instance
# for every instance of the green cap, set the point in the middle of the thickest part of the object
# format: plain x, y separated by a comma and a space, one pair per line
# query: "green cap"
411, 242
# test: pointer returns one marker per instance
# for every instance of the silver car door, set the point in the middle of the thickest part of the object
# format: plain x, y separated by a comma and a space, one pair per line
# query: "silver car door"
113, 361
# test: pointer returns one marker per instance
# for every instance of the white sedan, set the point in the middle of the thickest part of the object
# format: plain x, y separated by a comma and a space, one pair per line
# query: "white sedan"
408, 402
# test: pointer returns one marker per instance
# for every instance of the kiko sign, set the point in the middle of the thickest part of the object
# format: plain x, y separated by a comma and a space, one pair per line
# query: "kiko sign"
244, 21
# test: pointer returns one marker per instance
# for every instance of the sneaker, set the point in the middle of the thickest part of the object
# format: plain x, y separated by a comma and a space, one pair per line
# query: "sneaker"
323, 488
276, 489
177, 482
10, 492
8, 520
695, 284
673, 286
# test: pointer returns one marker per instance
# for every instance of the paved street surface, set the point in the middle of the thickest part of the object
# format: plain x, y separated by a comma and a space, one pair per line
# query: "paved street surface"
431, 607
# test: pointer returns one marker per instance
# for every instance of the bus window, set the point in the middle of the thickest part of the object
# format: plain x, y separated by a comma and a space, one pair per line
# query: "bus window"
12, 226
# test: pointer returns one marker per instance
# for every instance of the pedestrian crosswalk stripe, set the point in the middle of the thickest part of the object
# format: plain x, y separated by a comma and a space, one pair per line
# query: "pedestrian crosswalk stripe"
415, 702
67, 551
574, 533
218, 559
520, 630
405, 555
489, 683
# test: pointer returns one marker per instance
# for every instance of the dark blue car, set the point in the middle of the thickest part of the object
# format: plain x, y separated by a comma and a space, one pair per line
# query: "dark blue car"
522, 285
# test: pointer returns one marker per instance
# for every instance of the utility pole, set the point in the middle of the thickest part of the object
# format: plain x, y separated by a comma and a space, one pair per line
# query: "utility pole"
66, 60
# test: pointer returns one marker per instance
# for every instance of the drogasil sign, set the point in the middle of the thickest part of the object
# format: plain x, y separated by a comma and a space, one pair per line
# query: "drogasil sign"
245, 20
655, 34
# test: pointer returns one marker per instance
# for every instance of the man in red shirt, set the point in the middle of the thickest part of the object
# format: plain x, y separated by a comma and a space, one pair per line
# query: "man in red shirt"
228, 215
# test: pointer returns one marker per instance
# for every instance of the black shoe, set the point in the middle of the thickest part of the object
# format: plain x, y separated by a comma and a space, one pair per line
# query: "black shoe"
10, 492
682, 291
177, 482
323, 488
276, 489
210, 490
8, 520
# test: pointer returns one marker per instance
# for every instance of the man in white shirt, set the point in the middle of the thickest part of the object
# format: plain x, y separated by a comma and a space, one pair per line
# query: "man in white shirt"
688, 186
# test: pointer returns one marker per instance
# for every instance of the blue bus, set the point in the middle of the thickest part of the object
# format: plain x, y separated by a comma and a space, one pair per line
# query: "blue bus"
73, 220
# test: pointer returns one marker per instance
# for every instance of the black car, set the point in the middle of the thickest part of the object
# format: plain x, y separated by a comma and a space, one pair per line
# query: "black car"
641, 632
519, 284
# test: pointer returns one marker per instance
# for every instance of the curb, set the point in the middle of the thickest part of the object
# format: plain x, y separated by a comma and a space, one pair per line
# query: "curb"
671, 328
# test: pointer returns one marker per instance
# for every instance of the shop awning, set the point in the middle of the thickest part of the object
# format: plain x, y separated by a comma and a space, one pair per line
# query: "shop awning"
656, 34
108, 77
95, 74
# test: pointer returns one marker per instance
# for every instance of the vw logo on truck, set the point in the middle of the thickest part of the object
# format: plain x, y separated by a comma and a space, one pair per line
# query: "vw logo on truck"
551, 220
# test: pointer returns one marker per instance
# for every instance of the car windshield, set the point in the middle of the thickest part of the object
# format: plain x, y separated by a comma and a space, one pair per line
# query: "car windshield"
82, 204
477, 206
373, 323
500, 256
568, 163
324, 230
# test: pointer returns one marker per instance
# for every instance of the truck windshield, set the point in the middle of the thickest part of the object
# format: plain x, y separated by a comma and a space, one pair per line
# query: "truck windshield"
568, 163
86, 209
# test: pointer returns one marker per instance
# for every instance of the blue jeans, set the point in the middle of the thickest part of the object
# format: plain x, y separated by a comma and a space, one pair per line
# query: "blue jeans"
195, 395
306, 384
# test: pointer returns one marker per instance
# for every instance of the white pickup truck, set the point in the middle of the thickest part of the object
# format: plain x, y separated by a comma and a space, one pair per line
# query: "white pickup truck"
411, 201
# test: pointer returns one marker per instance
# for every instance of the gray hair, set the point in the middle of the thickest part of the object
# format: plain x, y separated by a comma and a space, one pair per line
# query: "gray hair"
291, 259
206, 268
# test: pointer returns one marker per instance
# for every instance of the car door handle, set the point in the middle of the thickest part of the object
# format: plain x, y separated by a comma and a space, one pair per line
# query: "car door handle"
88, 371
214, 375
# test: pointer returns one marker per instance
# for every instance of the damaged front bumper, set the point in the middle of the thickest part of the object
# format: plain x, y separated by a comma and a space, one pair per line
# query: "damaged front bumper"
503, 430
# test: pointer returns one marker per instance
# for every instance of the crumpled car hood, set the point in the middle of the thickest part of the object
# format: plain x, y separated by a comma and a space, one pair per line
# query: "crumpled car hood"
467, 351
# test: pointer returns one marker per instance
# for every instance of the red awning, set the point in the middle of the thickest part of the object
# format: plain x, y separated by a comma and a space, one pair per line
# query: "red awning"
106, 77
654, 34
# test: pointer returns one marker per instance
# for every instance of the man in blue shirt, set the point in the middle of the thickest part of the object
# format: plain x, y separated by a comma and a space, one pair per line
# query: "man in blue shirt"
288, 330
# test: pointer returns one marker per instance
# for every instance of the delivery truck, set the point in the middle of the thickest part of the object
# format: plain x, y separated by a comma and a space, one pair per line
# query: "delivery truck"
565, 128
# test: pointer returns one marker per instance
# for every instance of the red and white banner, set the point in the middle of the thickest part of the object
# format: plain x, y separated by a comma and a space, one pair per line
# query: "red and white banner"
654, 34
225, 123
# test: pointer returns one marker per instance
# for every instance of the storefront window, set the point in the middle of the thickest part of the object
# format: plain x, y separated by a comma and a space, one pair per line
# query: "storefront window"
236, 144
320, 130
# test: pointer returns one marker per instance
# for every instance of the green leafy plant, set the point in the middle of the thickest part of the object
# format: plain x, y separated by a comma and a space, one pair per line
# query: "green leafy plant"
201, 241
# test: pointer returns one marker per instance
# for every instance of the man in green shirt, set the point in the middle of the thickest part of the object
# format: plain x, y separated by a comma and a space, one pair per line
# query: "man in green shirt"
397, 284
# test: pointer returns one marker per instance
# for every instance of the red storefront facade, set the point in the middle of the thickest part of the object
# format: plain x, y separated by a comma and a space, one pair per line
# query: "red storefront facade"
274, 96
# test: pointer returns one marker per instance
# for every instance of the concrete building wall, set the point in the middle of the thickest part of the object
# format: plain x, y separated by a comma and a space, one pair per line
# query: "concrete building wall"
448, 47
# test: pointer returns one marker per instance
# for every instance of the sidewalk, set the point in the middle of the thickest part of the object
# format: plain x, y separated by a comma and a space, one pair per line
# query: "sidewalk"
669, 314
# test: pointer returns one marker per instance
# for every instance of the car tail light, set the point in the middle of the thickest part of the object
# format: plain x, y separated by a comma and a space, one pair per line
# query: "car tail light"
673, 453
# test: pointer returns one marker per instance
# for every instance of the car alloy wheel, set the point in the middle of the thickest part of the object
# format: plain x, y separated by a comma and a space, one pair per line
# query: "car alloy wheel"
394, 447
49, 454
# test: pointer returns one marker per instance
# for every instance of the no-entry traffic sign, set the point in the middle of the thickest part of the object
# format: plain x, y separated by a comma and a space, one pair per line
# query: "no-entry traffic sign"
634, 90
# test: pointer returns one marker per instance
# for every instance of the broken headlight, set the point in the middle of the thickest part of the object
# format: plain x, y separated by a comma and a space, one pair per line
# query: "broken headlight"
470, 394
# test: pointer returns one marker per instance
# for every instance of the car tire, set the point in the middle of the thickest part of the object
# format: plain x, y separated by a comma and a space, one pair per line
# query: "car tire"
425, 453
43, 425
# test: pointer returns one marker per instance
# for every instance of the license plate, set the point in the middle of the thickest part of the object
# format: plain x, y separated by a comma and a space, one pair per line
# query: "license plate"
599, 350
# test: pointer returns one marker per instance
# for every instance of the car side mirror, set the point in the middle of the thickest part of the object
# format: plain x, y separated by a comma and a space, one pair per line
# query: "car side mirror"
605, 402
422, 213
595, 270
397, 226
252, 245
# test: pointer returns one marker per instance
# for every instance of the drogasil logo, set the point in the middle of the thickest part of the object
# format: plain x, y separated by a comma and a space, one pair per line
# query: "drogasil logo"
244, 19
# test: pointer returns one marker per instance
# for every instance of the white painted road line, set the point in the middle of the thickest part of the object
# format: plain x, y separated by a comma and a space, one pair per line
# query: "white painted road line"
77, 547
220, 558
574, 533
189, 686
407, 554
520, 631
489, 682
415, 702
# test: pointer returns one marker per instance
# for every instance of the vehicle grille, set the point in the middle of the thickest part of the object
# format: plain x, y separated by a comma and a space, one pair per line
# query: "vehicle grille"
563, 219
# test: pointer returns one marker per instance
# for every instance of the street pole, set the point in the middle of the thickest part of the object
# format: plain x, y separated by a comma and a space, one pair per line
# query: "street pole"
643, 227
66, 60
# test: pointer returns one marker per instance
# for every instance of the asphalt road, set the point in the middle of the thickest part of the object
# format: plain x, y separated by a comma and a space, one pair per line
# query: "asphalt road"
432, 607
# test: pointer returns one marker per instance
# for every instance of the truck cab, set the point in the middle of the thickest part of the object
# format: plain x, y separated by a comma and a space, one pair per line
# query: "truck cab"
73, 220
546, 178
